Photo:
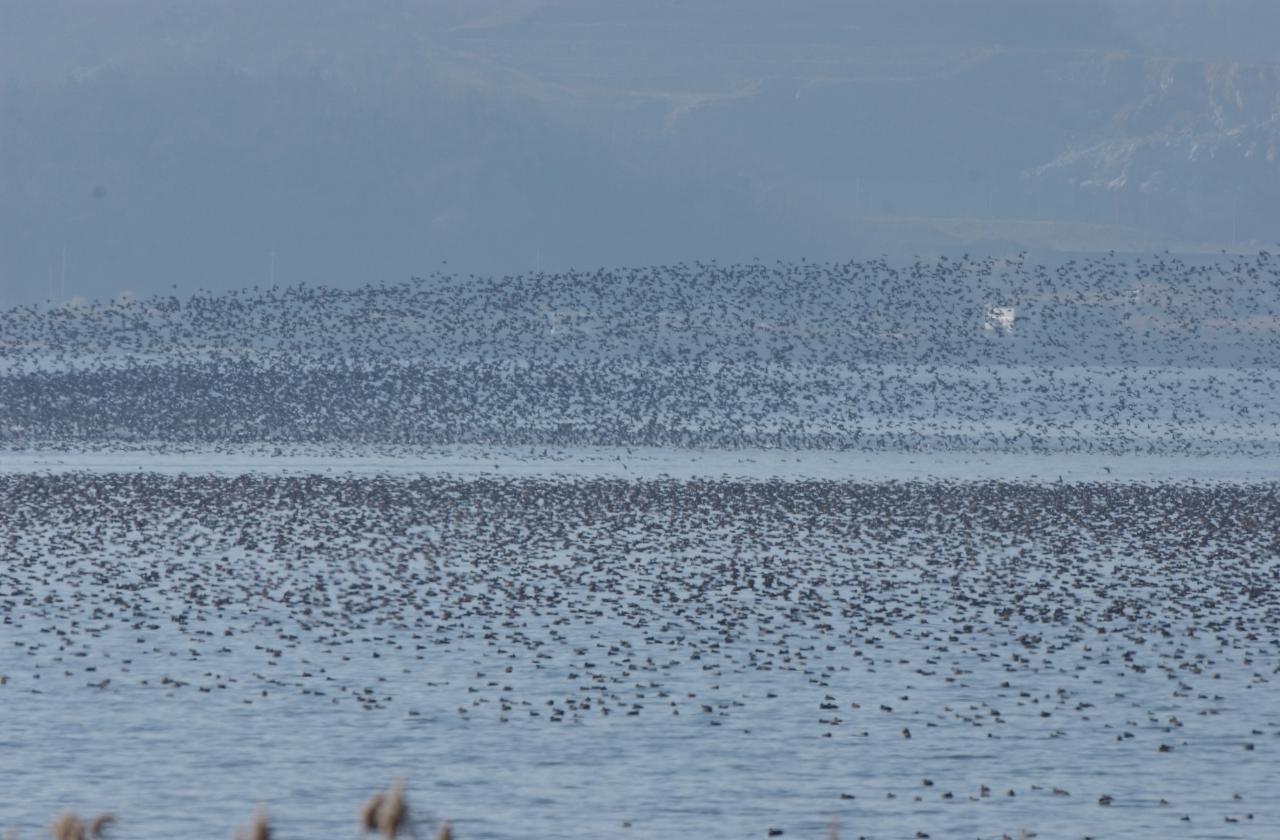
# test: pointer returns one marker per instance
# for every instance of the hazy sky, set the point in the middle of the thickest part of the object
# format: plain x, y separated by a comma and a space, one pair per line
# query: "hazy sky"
146, 144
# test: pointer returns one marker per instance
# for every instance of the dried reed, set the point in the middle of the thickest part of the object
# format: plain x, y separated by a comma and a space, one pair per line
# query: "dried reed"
387, 813
369, 813
259, 828
70, 827
394, 813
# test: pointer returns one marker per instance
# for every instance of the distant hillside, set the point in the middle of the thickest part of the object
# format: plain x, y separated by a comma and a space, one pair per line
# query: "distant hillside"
145, 144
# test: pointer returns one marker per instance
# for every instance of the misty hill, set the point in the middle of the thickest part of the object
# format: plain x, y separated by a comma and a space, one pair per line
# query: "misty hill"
147, 144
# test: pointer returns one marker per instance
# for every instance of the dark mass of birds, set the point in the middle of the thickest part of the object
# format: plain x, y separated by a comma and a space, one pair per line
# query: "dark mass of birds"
1141, 618
890, 610
1103, 354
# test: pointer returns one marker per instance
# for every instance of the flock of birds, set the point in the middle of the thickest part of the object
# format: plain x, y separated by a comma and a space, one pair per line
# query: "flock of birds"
1134, 618
983, 620
1103, 355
